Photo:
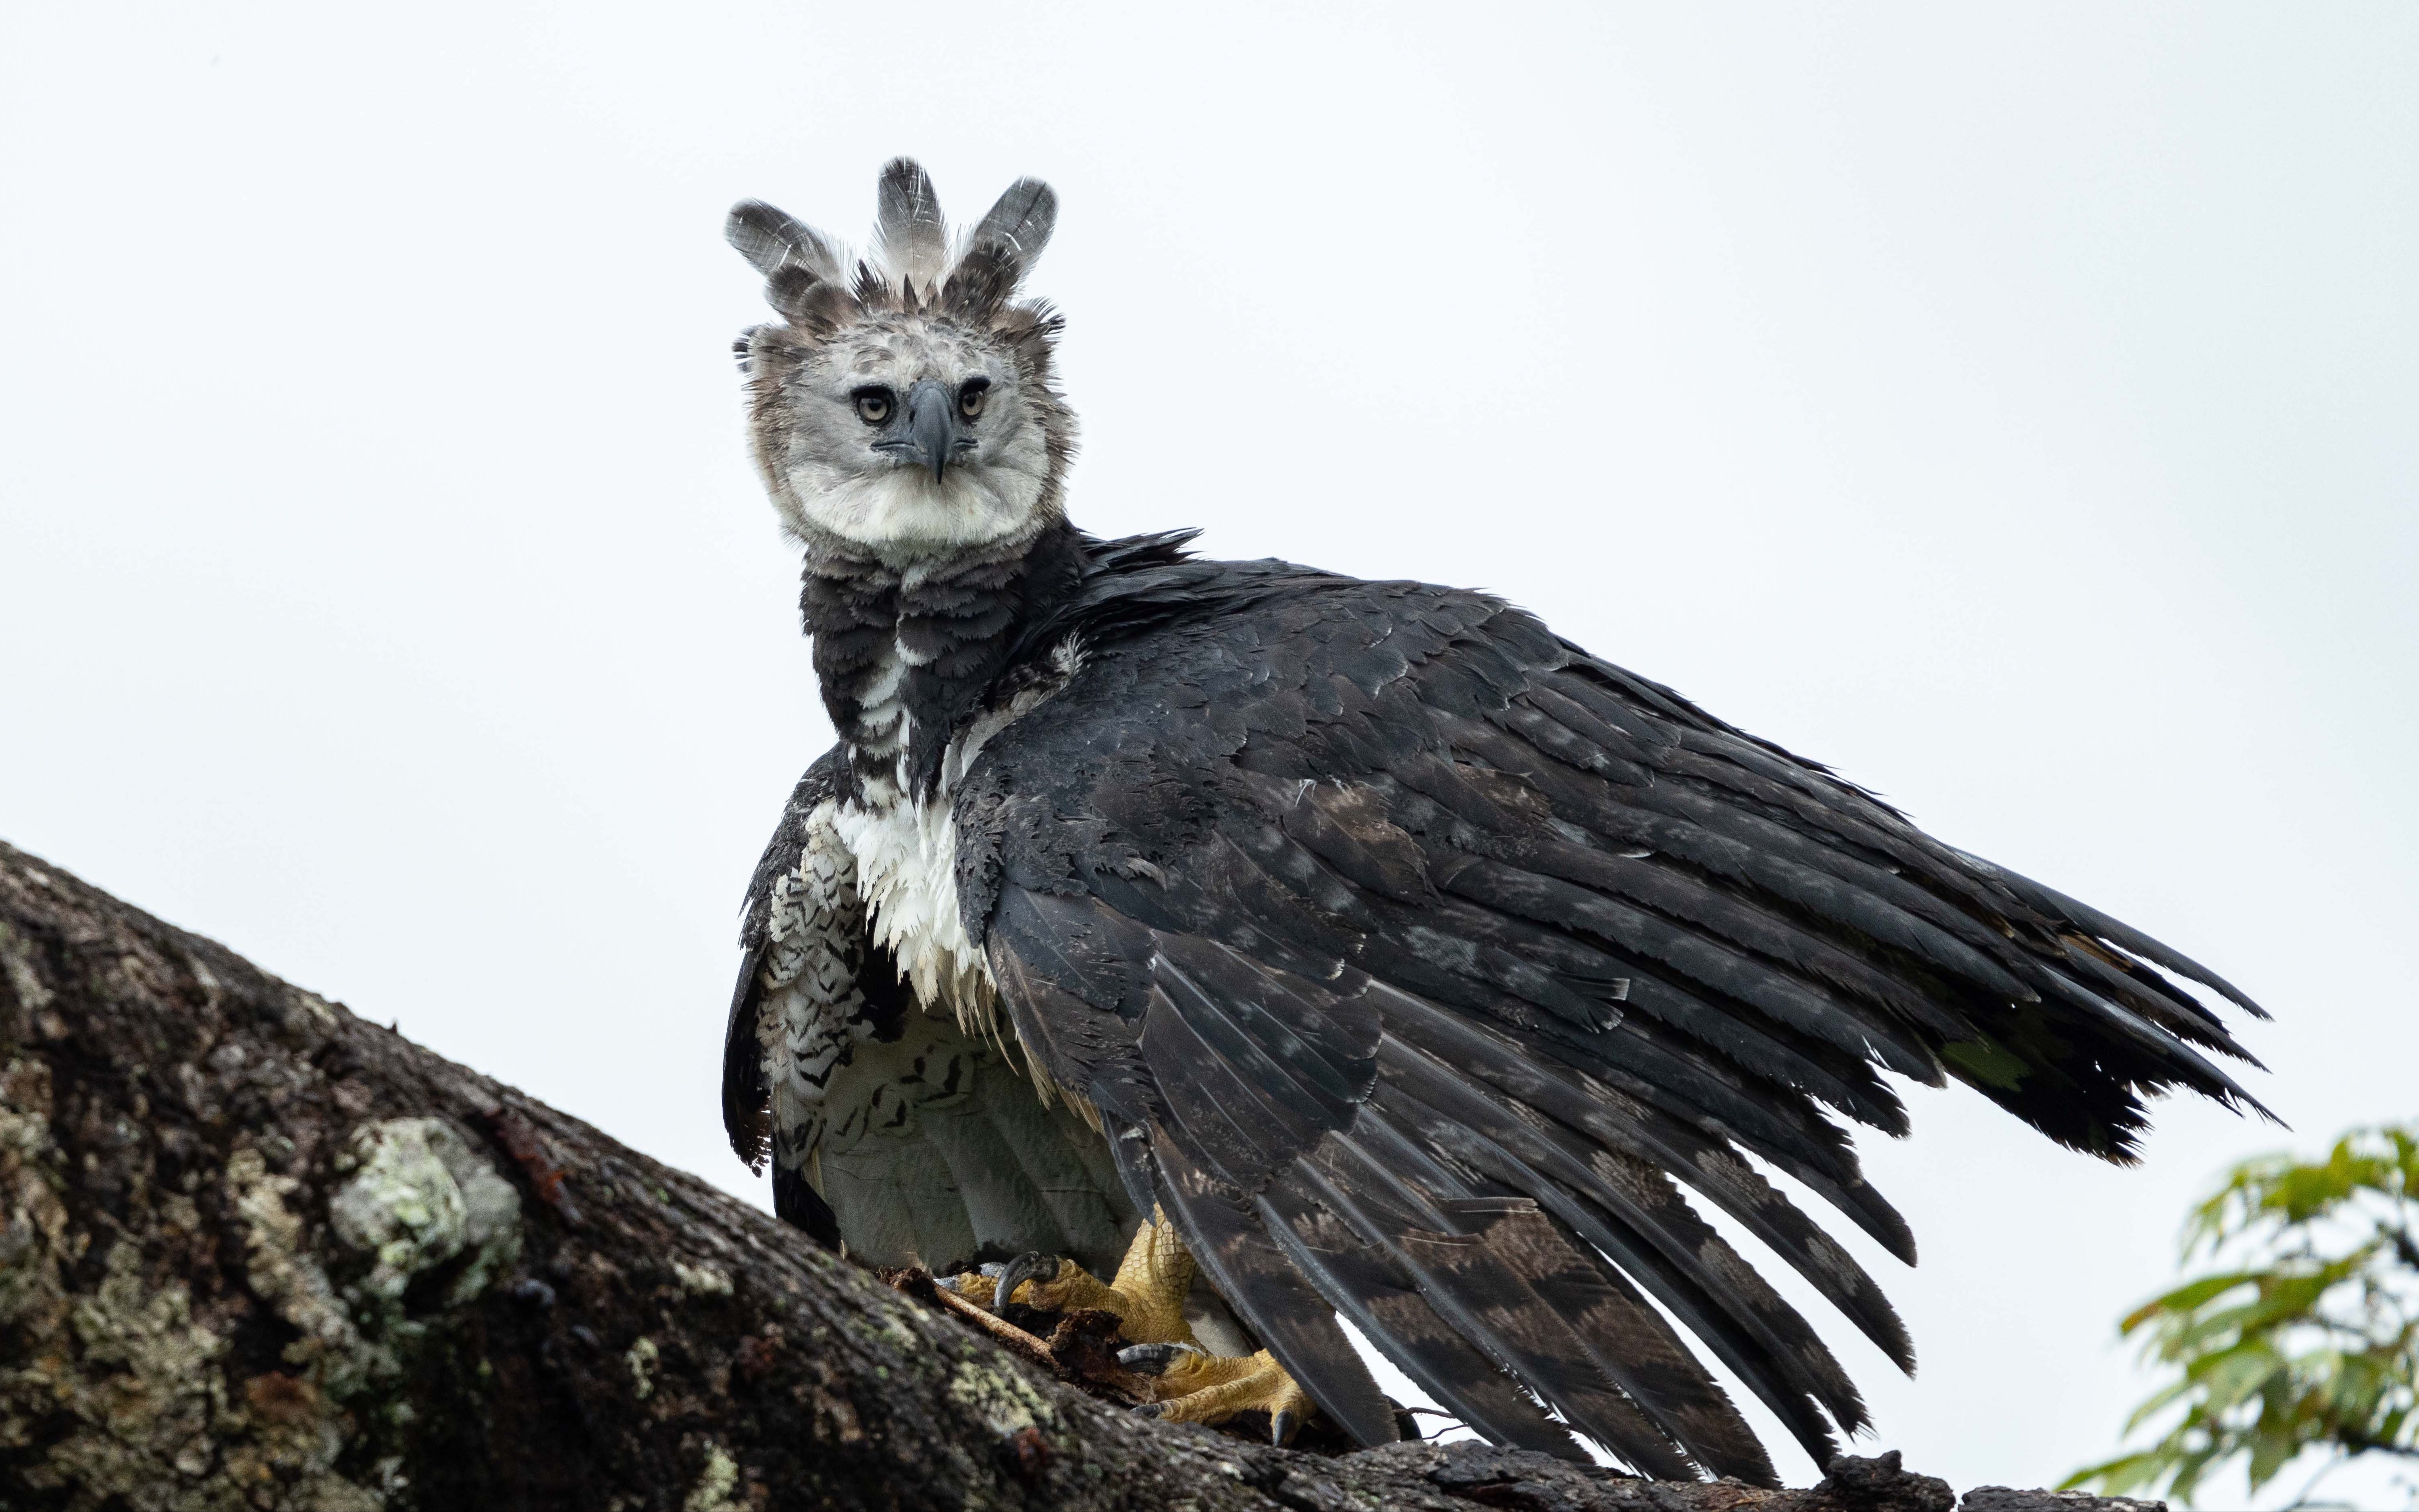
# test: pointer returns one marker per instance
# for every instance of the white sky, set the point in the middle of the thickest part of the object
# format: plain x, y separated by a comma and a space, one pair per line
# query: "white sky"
2014, 406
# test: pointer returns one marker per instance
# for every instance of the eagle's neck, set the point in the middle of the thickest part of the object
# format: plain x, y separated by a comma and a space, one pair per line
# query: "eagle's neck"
907, 656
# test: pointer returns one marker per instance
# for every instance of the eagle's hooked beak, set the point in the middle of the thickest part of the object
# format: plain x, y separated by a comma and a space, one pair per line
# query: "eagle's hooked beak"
933, 424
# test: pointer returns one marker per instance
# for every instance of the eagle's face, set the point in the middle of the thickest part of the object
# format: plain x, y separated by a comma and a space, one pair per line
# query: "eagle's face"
904, 436
903, 410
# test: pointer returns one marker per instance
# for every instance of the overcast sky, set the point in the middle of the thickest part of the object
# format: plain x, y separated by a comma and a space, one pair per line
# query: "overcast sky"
2013, 407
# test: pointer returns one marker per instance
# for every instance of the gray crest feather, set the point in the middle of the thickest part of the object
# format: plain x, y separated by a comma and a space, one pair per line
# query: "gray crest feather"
909, 238
1020, 223
771, 240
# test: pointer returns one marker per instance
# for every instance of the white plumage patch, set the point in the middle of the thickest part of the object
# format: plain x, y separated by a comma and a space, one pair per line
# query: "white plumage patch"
904, 514
906, 852
905, 848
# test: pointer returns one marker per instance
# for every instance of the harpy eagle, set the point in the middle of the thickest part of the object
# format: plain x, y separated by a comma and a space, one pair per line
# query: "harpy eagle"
1286, 947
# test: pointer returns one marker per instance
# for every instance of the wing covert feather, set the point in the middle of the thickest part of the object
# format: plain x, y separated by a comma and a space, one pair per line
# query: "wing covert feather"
1427, 966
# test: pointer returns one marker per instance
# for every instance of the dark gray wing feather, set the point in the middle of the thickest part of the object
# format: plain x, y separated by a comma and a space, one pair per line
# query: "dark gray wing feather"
1360, 1278
1421, 962
1269, 1293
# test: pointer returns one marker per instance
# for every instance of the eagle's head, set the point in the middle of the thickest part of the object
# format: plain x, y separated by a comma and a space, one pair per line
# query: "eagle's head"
902, 407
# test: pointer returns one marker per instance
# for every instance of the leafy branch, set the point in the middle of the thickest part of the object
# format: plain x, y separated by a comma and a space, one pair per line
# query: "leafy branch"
2308, 1339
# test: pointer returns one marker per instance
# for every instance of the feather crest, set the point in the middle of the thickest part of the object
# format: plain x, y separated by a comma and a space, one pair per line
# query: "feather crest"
771, 240
911, 264
1019, 222
911, 241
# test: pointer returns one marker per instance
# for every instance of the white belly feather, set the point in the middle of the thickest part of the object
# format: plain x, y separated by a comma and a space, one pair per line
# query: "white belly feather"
908, 872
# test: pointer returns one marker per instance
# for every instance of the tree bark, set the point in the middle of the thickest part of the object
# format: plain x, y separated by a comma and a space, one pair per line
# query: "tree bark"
260, 1254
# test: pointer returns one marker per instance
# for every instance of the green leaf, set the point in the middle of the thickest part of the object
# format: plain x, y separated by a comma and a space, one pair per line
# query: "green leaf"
2227, 1379
2310, 1339
2188, 1296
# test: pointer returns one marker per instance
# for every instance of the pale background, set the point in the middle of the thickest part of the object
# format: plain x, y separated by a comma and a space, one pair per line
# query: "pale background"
2012, 405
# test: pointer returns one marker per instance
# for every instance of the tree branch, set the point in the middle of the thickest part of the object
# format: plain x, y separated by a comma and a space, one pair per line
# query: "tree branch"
260, 1254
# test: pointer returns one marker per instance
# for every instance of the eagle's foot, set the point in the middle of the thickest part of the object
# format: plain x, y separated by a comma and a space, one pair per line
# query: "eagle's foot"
1193, 1387
1044, 1282
1147, 1298
1188, 1383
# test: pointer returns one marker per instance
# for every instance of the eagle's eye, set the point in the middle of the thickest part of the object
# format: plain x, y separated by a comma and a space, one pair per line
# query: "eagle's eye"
970, 396
873, 405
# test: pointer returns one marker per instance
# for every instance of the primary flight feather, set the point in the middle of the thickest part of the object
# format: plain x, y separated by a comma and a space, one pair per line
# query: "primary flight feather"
1324, 946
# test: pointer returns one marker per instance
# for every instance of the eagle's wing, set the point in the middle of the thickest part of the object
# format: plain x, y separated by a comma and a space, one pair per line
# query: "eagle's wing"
1416, 959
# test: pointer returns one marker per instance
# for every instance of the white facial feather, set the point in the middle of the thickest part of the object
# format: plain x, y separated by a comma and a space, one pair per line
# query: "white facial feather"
830, 484
904, 513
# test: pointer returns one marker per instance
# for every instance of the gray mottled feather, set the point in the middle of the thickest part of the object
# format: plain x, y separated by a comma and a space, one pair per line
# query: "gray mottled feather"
1020, 223
771, 239
910, 240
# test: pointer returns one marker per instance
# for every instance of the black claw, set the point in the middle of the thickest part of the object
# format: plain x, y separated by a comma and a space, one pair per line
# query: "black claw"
1281, 1426
1152, 1359
1149, 1410
1031, 1266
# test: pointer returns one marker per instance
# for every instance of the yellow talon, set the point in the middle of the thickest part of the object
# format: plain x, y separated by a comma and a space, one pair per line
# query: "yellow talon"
1146, 1297
1189, 1385
1211, 1388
